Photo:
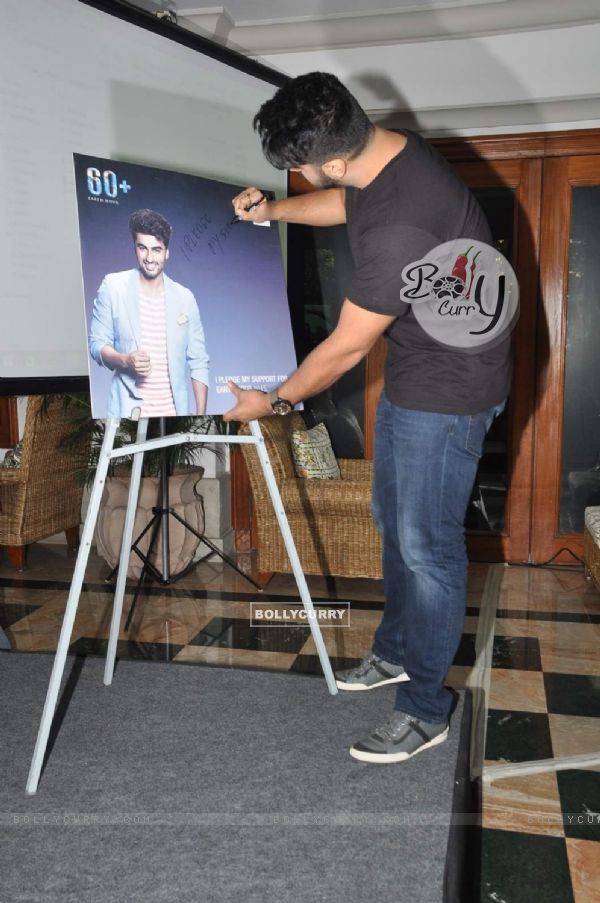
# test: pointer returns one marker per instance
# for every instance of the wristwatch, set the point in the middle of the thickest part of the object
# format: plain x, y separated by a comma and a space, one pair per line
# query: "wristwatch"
280, 405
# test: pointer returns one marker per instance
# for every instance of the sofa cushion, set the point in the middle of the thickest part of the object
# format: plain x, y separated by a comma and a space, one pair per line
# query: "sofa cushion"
12, 458
313, 455
592, 522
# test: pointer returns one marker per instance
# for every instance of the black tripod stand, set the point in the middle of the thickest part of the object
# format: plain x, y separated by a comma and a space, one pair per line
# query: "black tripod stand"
159, 525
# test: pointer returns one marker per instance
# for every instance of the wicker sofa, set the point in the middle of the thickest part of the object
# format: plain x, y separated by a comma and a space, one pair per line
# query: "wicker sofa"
41, 496
591, 544
330, 519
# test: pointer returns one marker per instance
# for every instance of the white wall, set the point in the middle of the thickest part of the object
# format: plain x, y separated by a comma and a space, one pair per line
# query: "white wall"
76, 80
547, 79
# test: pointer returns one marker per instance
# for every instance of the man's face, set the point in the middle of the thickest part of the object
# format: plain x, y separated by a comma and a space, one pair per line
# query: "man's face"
151, 255
315, 175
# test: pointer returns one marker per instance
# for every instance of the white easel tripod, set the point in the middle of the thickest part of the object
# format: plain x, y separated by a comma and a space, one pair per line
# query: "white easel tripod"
137, 450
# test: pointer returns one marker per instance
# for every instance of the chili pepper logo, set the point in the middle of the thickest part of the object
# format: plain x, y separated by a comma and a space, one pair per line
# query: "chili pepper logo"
472, 268
454, 285
465, 295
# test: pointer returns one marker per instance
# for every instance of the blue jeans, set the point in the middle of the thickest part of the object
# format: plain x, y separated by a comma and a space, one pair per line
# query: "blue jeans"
424, 471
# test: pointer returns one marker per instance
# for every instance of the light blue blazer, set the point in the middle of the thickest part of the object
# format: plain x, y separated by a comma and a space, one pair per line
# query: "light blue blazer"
115, 321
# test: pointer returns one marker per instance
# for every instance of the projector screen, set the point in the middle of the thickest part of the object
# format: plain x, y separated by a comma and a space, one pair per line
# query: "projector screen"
77, 80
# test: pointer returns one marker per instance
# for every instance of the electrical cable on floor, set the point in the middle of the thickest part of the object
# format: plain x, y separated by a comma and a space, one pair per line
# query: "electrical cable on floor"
548, 564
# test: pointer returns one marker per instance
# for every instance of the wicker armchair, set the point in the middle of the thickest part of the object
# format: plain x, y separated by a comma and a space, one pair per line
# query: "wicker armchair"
41, 497
330, 519
591, 544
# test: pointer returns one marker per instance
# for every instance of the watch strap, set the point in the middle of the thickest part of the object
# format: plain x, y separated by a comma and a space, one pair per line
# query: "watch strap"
278, 404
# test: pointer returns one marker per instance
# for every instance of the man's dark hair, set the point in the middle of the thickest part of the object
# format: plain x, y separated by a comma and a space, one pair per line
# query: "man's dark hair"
312, 119
149, 222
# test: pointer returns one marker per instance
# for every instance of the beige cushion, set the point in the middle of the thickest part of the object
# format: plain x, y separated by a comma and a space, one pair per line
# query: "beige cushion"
12, 458
592, 522
313, 455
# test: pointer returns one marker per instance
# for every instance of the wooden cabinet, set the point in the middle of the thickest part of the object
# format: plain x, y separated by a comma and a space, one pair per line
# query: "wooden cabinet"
541, 463
498, 515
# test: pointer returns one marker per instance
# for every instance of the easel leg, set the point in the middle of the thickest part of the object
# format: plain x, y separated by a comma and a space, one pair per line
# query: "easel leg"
290, 547
134, 488
71, 608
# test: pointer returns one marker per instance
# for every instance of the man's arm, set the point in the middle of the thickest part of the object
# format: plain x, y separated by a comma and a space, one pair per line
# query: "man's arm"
200, 393
196, 354
326, 207
355, 334
101, 331
102, 338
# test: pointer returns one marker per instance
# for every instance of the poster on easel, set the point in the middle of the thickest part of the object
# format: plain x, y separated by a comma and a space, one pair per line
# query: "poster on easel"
179, 299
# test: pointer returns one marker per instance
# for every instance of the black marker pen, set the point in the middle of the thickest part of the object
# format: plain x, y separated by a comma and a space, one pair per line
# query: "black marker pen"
238, 219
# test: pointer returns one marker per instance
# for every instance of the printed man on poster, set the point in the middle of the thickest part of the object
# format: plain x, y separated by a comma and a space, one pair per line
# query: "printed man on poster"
146, 328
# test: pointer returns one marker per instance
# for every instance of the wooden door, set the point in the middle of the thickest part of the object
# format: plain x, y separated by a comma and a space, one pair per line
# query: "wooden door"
510, 443
498, 520
546, 451
566, 475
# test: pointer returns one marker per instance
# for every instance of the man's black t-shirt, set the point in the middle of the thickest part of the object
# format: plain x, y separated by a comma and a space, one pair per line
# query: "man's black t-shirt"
414, 204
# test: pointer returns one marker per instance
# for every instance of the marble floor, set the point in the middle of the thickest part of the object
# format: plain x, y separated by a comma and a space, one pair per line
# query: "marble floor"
539, 667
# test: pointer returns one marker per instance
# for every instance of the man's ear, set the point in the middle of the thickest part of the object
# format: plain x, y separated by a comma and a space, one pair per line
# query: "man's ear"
335, 169
167, 254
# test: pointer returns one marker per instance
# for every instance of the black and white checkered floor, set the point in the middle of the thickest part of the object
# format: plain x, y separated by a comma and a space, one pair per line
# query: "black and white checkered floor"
540, 837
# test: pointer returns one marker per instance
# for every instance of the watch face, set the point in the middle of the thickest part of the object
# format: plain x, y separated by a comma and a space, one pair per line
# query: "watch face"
281, 406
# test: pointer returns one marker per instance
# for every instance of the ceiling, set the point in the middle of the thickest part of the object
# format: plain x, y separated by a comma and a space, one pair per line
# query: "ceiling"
439, 66
280, 26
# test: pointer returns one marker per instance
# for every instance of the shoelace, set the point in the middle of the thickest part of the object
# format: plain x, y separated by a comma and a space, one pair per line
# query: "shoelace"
389, 728
366, 663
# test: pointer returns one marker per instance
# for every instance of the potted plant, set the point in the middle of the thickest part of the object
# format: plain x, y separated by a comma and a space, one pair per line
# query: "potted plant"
184, 475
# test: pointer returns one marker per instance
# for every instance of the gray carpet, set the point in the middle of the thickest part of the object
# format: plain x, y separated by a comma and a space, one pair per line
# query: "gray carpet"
204, 784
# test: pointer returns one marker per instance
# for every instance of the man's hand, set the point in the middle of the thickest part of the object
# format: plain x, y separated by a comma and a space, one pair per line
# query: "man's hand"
250, 404
325, 207
242, 202
138, 362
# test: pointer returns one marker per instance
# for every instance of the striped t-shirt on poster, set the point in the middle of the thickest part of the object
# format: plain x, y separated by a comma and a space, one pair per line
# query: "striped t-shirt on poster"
156, 387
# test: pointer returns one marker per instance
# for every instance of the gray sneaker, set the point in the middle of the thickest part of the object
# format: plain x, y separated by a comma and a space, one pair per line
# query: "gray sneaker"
401, 737
372, 672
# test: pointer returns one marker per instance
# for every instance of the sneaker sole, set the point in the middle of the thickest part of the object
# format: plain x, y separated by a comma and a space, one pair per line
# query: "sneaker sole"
342, 685
389, 758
